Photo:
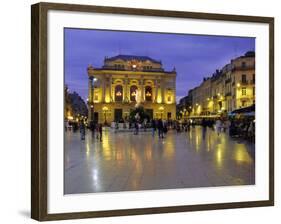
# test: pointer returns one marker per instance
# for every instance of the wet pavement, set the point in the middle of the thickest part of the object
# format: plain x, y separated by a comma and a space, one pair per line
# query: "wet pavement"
127, 162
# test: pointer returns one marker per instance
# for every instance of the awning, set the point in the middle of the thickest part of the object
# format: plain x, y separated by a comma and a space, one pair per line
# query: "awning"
247, 111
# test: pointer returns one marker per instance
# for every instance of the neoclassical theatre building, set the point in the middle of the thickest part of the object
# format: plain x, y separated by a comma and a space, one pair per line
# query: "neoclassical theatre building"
113, 88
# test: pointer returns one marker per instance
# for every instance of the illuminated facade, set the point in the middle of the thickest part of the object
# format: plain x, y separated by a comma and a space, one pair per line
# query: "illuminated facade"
113, 87
230, 88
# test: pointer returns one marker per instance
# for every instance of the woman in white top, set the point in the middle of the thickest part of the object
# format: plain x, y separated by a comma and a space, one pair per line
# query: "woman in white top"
218, 126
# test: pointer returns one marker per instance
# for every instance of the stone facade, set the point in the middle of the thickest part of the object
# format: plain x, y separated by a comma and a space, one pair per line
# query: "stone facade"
230, 88
113, 88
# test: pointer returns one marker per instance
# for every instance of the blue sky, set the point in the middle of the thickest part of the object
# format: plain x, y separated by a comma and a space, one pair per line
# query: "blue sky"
193, 56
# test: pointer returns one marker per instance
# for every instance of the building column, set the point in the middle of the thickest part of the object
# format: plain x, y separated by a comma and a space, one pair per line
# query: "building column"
90, 99
103, 90
156, 90
141, 89
110, 88
162, 91
126, 99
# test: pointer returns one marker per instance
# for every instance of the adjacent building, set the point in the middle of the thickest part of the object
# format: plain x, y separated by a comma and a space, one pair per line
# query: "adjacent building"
229, 88
114, 86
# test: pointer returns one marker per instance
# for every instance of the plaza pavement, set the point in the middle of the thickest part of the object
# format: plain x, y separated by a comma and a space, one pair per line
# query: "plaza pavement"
127, 162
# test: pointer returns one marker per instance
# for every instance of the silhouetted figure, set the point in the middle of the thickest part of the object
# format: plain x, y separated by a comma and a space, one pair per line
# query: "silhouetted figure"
204, 127
218, 125
160, 128
136, 128
100, 131
82, 130
153, 126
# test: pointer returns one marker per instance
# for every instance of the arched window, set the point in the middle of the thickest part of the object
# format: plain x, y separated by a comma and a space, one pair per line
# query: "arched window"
148, 93
118, 93
133, 90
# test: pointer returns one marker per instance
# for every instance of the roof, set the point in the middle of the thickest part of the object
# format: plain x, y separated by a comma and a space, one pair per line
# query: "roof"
132, 57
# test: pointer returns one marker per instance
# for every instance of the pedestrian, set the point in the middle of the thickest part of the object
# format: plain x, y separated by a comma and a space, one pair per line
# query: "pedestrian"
100, 132
82, 130
144, 124
153, 126
218, 126
97, 131
165, 128
136, 128
160, 128
178, 128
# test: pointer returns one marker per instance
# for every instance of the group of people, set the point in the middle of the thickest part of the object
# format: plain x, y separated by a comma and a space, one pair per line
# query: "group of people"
235, 128
96, 129
161, 126
157, 125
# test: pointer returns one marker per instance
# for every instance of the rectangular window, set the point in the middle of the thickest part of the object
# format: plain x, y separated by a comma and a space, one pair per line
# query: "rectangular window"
244, 91
244, 78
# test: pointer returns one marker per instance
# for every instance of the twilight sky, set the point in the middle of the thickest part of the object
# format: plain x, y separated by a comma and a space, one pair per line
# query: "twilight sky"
194, 56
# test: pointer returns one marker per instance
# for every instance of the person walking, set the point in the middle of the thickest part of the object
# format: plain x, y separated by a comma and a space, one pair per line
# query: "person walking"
204, 128
153, 126
100, 132
165, 128
218, 126
82, 130
160, 128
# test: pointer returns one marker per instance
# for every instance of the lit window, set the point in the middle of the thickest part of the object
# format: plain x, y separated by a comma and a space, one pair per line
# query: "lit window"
148, 93
244, 91
133, 90
118, 93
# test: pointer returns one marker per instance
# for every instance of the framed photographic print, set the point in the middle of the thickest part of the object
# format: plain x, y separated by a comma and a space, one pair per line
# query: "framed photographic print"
139, 111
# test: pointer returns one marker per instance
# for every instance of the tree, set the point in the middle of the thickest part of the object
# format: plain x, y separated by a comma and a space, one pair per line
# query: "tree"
141, 112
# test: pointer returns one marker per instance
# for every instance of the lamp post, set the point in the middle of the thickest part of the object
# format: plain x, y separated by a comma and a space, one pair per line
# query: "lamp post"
91, 98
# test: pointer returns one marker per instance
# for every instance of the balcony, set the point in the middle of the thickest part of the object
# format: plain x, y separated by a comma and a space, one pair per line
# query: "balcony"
227, 94
247, 82
228, 80
243, 68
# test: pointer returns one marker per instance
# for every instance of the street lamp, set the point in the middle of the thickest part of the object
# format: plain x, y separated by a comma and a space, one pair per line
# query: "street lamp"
92, 100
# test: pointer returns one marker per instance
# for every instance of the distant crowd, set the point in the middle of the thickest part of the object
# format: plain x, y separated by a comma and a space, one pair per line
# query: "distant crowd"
237, 128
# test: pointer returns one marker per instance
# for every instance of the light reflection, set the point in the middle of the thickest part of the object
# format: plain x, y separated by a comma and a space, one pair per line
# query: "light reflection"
219, 156
208, 144
197, 143
169, 148
87, 149
107, 153
241, 154
96, 181
148, 152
